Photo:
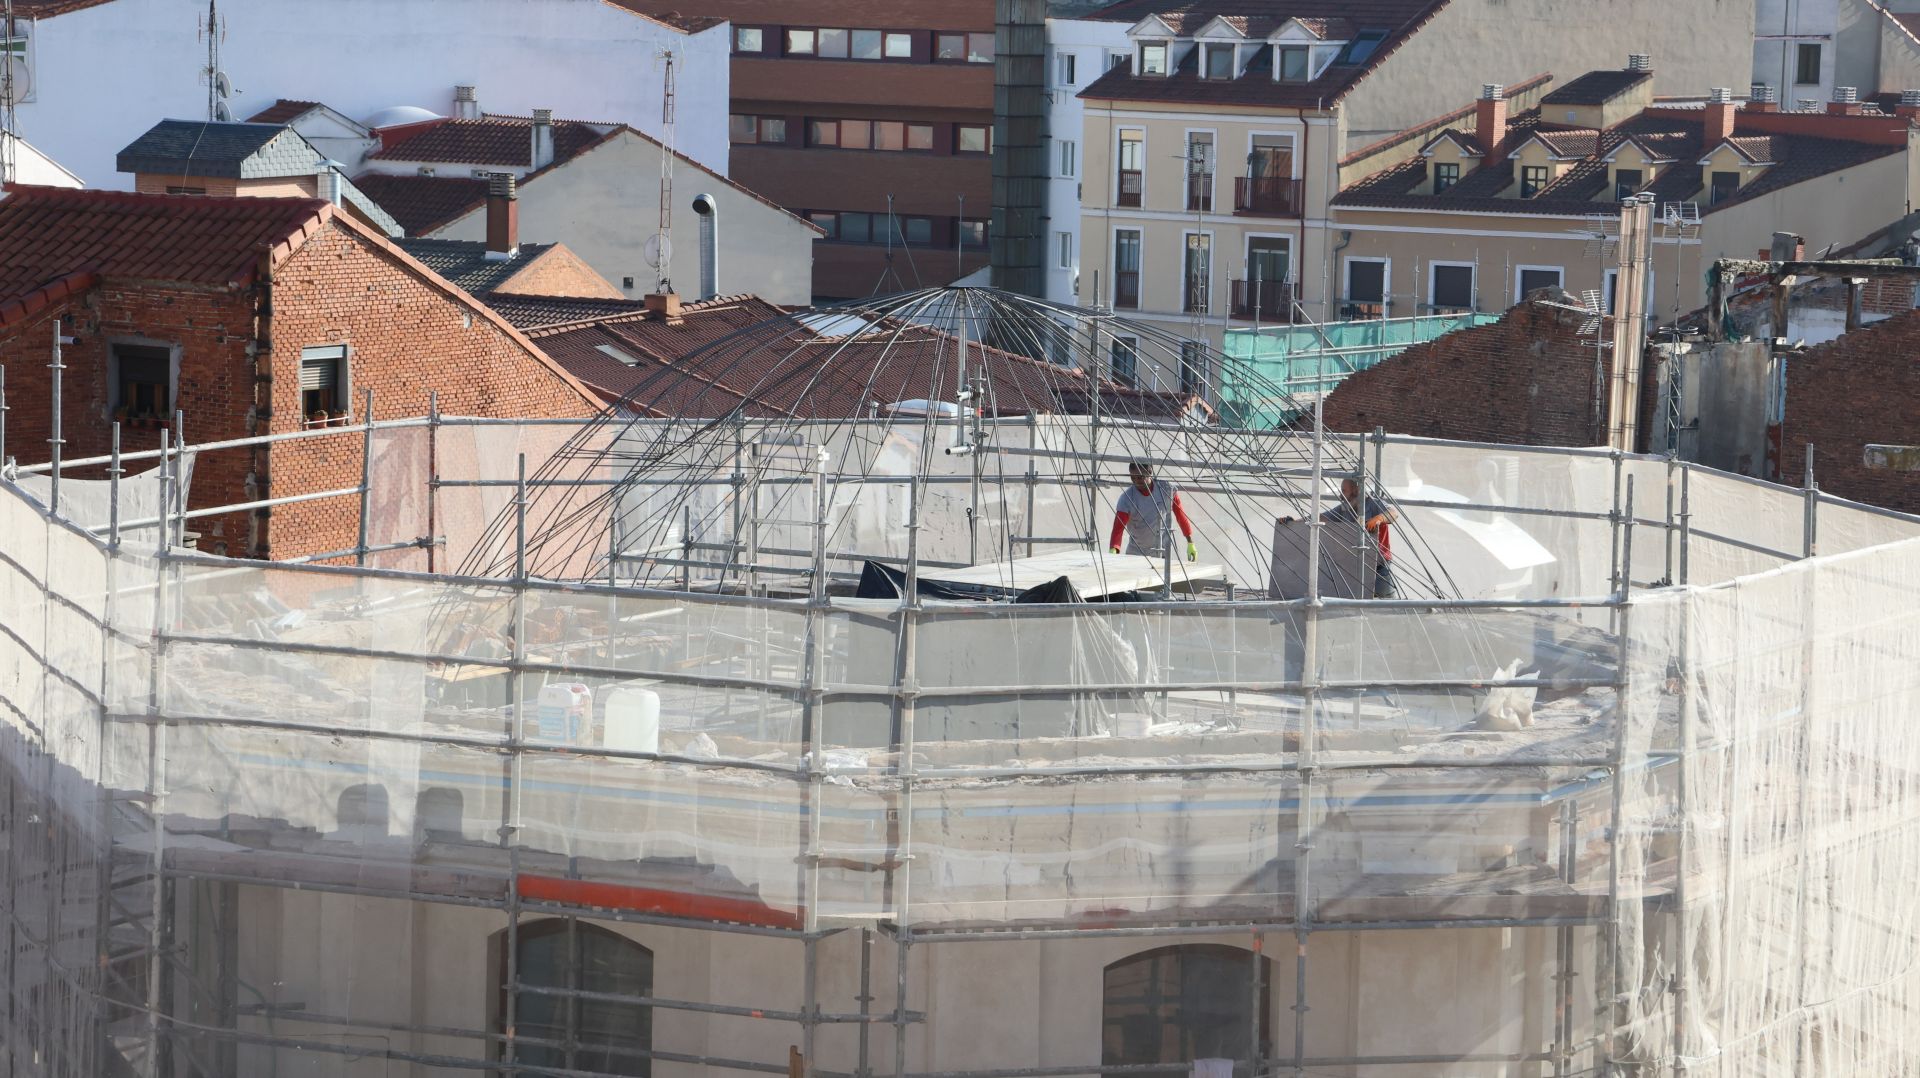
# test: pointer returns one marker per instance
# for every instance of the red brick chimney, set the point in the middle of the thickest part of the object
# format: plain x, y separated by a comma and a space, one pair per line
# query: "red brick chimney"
1490, 120
1846, 101
1717, 125
503, 217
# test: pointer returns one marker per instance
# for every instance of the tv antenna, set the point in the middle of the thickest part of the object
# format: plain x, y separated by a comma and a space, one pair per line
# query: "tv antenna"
659, 247
13, 76
219, 88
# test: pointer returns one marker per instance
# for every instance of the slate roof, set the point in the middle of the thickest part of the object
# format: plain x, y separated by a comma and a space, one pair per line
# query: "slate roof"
240, 151
544, 312
1583, 189
690, 24
1595, 87
1339, 19
48, 232
47, 9
465, 262
491, 140
282, 111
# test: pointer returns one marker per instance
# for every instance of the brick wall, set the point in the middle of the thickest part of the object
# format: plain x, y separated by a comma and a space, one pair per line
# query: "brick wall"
406, 337
1526, 379
1862, 388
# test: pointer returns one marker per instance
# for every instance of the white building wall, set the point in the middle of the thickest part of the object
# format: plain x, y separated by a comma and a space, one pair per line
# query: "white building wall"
605, 204
1089, 42
1780, 27
105, 74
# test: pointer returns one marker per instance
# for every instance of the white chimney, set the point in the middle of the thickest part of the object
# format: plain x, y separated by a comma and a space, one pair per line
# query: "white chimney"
542, 138
708, 209
465, 105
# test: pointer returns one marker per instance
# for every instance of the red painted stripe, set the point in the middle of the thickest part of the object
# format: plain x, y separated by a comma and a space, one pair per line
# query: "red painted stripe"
651, 900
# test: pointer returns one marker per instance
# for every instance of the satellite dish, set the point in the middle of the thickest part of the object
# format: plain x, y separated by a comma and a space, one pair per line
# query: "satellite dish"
222, 85
659, 250
22, 76
221, 113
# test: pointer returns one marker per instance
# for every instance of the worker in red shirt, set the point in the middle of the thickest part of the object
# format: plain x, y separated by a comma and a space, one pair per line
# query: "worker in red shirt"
1378, 517
1142, 512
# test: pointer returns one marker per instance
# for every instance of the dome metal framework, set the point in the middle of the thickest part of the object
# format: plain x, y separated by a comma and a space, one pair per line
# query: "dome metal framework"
934, 430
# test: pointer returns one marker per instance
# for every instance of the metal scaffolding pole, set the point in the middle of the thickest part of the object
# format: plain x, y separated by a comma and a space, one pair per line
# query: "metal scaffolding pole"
1616, 1005
366, 480
1310, 693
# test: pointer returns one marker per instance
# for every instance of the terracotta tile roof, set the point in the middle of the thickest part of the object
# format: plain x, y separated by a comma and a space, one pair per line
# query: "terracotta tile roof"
740, 352
423, 203
690, 24
282, 111
47, 233
1397, 19
491, 140
47, 9
1569, 142
547, 312
1595, 87
1582, 190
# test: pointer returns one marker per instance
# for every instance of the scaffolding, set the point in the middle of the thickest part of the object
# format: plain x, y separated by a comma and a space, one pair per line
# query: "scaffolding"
262, 817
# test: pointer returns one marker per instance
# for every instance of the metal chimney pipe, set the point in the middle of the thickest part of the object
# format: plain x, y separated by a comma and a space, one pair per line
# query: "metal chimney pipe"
542, 138
708, 210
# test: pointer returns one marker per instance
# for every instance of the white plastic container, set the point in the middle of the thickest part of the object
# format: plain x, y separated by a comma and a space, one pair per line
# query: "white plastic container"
1132, 724
633, 720
564, 714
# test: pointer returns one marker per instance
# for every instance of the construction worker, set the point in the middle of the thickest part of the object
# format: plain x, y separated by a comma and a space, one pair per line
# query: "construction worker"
1142, 511
1378, 516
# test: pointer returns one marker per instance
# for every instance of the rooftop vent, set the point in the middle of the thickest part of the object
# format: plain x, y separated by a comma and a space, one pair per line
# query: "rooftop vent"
1720, 95
1846, 95
1492, 91
1910, 99
1639, 61
1761, 94
1806, 104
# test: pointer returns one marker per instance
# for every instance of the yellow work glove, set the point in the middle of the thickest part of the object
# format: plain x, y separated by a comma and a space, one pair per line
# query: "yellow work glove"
1113, 550
1192, 554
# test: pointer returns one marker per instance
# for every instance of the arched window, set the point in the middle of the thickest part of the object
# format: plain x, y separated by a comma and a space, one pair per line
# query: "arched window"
585, 1034
1178, 1004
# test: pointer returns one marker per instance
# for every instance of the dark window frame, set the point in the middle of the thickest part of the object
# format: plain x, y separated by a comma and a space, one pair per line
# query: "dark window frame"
335, 400
792, 34
760, 42
1806, 64
137, 391
1211, 49
1158, 1006
1441, 295
1445, 175
1722, 186
960, 133
1624, 187
1305, 57
1523, 289
578, 966
1165, 51
1534, 179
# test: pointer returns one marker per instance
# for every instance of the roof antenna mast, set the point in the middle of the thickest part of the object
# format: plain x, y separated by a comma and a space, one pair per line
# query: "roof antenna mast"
660, 247
13, 56
219, 87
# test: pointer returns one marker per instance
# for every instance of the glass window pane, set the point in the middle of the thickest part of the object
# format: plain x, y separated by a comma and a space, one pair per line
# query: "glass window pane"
917, 229
899, 46
950, 46
1293, 65
919, 136
866, 44
799, 42
828, 221
823, 133
889, 135
742, 128
1153, 59
971, 139
747, 38
1219, 61
980, 48
856, 227
856, 134
773, 129
833, 44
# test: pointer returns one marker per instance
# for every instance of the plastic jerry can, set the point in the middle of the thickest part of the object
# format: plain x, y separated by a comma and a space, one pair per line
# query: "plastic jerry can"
633, 720
564, 713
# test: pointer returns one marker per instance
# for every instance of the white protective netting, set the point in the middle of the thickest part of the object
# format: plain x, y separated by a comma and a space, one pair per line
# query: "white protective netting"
327, 765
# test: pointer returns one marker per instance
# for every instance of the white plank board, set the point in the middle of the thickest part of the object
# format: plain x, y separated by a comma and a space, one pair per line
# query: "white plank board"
1092, 573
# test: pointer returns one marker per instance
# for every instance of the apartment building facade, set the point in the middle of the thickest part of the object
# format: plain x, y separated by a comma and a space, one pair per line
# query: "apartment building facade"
1081, 47
1516, 200
1212, 156
874, 121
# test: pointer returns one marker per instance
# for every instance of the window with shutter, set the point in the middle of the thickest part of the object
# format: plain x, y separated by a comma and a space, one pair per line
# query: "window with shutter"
323, 377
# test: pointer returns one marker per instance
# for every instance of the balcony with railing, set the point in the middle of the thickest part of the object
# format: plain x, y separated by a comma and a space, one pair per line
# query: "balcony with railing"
1200, 193
1269, 196
1127, 191
1126, 289
1267, 301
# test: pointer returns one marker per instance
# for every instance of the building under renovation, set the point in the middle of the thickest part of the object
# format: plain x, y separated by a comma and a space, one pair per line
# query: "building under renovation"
796, 716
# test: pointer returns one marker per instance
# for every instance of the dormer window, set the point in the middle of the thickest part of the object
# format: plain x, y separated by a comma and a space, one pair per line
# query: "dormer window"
1721, 186
1219, 62
1626, 181
1361, 48
1445, 175
1533, 178
1153, 58
1294, 65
